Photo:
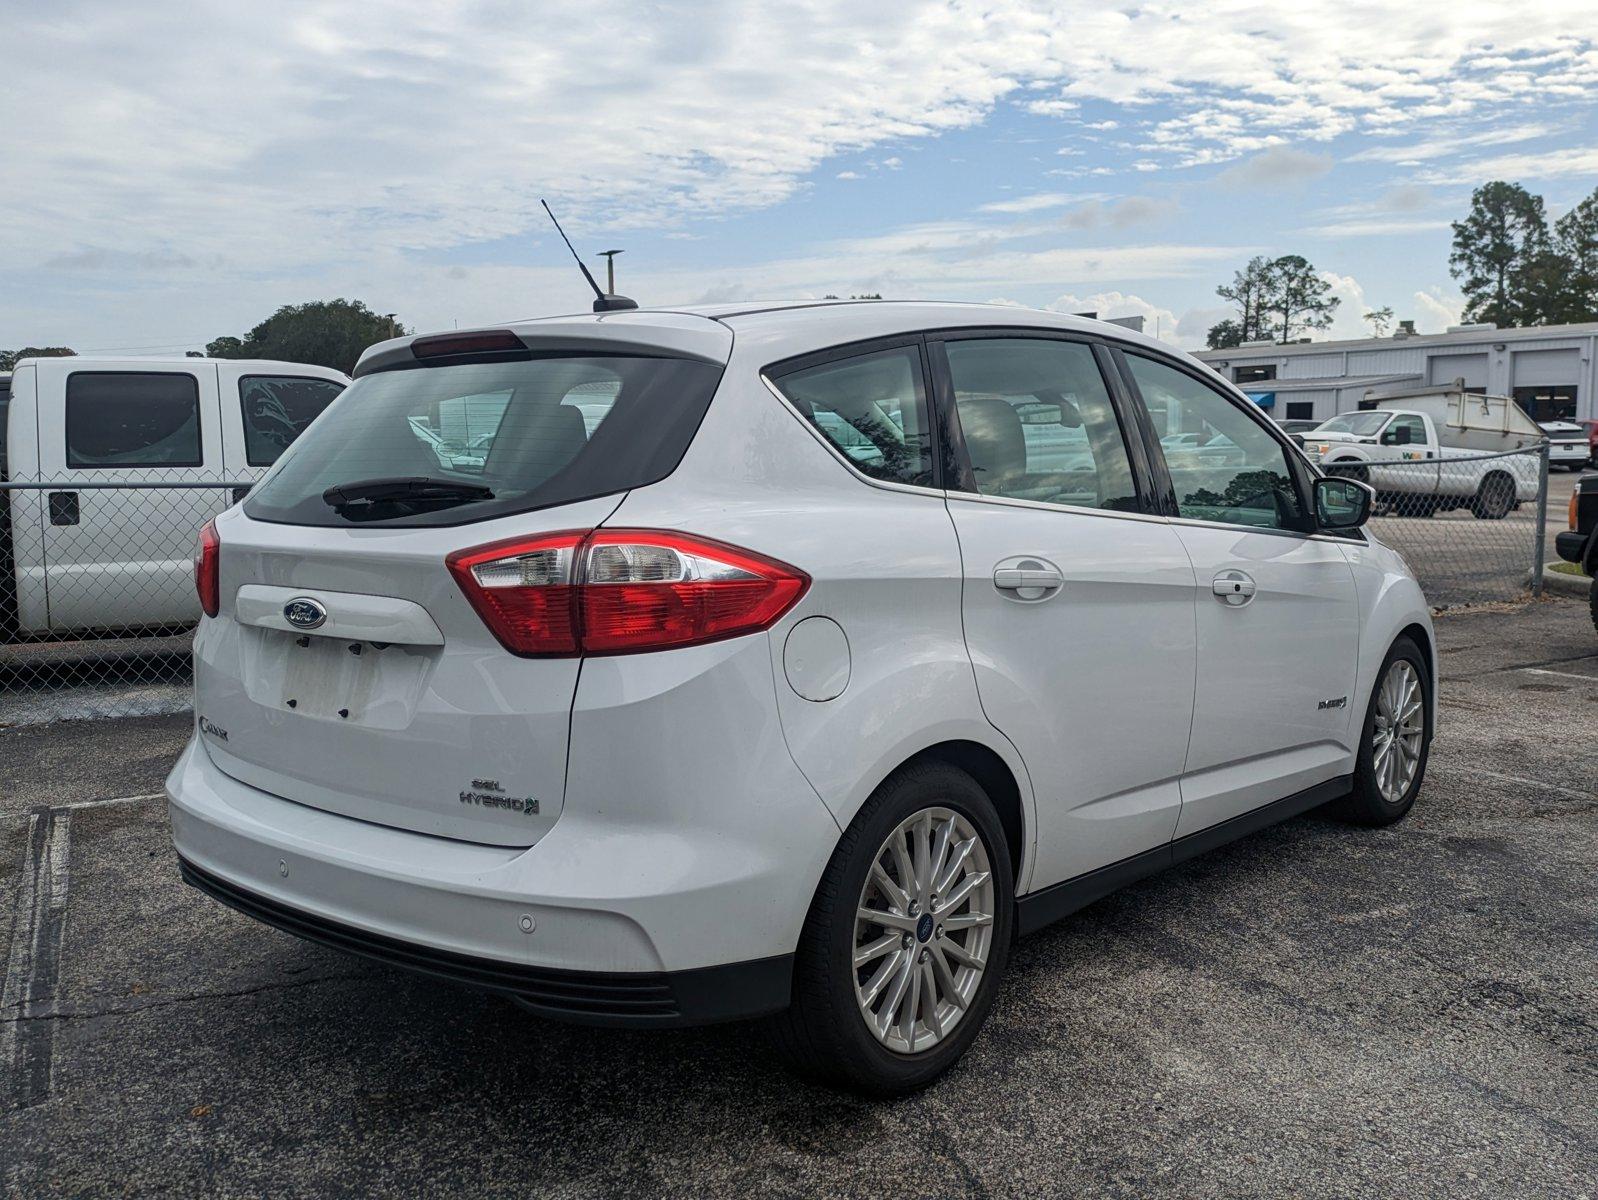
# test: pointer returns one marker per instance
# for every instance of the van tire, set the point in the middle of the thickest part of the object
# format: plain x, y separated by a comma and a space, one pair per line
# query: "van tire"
1366, 804
823, 1034
1495, 498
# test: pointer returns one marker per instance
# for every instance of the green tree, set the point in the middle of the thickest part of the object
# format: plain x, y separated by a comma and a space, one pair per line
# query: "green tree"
1247, 292
329, 333
1297, 298
1576, 243
1498, 256
10, 358
1225, 334
1380, 319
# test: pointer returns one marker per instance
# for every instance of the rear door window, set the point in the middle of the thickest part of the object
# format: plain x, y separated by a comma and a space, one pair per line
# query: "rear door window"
872, 407
1038, 422
276, 410
132, 419
443, 445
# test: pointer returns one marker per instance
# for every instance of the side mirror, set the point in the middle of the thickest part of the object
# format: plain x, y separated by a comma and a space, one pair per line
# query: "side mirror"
1342, 503
1401, 435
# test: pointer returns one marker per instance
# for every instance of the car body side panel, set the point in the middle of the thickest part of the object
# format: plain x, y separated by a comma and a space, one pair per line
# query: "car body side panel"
884, 565
1389, 601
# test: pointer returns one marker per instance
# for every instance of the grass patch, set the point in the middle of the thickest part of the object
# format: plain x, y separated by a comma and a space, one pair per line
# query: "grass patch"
1566, 568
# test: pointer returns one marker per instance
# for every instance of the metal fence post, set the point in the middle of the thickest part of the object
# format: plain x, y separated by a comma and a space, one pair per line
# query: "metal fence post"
1542, 521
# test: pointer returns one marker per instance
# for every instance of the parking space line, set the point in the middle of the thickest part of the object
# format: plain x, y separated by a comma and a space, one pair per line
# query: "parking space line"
1573, 793
27, 1044
1561, 674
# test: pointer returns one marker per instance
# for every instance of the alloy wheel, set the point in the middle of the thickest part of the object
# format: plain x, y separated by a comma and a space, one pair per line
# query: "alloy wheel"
923, 930
1399, 729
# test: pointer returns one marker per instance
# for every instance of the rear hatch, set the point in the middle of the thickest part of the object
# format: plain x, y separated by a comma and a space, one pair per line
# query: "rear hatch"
347, 669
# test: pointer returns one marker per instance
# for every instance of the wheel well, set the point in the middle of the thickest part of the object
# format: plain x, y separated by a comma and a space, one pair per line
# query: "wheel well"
993, 775
1418, 635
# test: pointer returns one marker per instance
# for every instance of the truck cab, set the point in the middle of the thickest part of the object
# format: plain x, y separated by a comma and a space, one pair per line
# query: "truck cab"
81, 554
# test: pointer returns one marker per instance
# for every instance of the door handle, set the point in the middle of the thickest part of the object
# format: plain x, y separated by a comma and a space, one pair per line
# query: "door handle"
1233, 588
1028, 578
63, 508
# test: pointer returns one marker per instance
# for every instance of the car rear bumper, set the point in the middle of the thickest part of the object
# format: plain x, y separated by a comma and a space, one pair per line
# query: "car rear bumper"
636, 998
695, 908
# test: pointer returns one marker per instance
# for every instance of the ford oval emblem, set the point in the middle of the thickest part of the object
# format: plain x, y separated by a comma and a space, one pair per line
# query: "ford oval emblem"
304, 613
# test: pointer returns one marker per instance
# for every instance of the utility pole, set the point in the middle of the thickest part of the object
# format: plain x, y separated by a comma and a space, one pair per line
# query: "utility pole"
610, 269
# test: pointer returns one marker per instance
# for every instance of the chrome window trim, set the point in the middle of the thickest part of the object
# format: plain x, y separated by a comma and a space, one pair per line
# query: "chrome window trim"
1046, 506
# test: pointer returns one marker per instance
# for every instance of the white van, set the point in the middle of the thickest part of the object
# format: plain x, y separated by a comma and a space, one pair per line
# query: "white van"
80, 556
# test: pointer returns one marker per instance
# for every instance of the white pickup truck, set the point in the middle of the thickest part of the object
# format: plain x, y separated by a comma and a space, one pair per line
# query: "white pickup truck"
1435, 450
76, 555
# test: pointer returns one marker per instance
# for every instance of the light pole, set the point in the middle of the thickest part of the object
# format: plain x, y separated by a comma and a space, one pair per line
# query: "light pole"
610, 269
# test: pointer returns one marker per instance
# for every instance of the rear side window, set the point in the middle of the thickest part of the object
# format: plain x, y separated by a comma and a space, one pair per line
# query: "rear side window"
449, 444
1038, 423
873, 408
132, 419
277, 408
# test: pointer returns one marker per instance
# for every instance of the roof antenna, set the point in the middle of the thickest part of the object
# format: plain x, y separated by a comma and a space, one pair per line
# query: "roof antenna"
603, 301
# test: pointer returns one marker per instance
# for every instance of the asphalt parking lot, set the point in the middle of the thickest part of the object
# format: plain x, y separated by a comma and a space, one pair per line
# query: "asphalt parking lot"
1314, 1011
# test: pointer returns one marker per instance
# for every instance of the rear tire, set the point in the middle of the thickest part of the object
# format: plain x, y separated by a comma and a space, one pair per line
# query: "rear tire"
834, 1029
1494, 498
1395, 742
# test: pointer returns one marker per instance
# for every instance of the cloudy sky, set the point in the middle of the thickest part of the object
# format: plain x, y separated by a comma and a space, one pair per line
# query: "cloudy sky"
175, 172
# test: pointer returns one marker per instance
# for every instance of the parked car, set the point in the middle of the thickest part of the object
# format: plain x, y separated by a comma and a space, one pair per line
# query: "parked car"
1446, 454
79, 556
703, 714
1568, 447
1579, 543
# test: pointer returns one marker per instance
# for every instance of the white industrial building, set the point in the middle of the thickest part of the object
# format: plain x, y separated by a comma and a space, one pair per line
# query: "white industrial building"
1550, 370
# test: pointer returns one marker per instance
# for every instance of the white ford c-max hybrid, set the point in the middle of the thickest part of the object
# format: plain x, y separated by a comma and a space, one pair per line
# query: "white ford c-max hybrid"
660, 667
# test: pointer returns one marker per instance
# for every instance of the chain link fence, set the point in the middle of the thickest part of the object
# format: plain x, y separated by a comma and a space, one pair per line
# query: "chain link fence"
97, 600
1471, 526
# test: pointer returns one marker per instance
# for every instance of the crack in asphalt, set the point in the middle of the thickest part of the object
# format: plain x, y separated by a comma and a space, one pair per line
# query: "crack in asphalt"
168, 1002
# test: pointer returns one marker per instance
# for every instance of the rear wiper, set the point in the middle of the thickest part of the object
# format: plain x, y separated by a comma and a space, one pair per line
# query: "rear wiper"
416, 487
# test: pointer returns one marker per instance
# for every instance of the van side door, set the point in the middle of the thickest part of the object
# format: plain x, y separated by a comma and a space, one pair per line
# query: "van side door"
1077, 602
122, 557
1275, 710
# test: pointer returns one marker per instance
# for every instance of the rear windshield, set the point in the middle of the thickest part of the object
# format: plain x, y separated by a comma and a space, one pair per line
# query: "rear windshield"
451, 444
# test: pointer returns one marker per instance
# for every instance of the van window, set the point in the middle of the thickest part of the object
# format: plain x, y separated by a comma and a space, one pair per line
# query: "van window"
488, 439
277, 408
873, 408
133, 419
1038, 422
1224, 465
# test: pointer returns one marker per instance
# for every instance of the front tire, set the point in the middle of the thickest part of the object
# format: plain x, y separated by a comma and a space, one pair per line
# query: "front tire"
907, 938
1495, 498
1396, 740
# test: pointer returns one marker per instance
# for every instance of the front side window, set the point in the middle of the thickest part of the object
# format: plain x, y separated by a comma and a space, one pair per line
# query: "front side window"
872, 408
1224, 465
1414, 435
1038, 422
132, 419
277, 408
463, 442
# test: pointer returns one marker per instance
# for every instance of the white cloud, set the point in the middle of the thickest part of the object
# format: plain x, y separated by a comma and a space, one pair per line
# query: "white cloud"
1376, 227
1438, 310
1445, 146
1157, 321
1563, 163
1029, 204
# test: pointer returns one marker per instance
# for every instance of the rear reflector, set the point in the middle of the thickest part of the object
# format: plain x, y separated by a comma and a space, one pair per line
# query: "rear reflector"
622, 591
491, 341
208, 569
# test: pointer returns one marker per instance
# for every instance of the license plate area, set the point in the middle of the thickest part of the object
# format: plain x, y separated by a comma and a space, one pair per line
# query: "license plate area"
335, 679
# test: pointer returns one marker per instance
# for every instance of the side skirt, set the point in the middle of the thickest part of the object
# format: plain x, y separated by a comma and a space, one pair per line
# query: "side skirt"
1033, 912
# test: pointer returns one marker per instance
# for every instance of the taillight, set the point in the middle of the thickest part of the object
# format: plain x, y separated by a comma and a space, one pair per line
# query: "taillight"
208, 569
622, 591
